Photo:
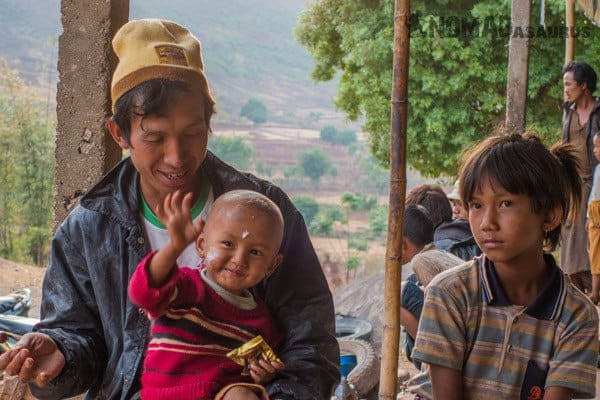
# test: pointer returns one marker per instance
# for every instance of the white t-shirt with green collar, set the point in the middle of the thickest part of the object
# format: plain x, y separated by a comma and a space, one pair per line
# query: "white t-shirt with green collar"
157, 234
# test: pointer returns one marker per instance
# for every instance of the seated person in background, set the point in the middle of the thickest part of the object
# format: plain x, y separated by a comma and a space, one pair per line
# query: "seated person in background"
458, 208
434, 199
426, 261
201, 314
452, 235
510, 324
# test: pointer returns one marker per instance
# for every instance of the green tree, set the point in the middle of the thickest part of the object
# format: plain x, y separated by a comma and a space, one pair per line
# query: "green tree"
358, 241
336, 213
357, 201
255, 111
307, 206
345, 138
314, 116
378, 220
322, 224
36, 157
457, 72
314, 163
377, 177
352, 263
328, 133
8, 194
331, 135
26, 170
325, 219
234, 150
264, 169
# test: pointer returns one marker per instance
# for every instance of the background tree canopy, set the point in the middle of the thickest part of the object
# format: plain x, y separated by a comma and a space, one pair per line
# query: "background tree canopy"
234, 150
255, 111
457, 72
26, 171
314, 163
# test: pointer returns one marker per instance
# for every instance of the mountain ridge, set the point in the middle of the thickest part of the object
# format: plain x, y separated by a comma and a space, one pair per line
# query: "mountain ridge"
248, 48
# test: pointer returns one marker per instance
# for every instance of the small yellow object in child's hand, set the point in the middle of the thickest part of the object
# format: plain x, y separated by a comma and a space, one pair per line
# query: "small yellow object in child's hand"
253, 350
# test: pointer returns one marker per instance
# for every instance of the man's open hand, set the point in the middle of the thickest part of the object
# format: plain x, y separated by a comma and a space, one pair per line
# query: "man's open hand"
34, 358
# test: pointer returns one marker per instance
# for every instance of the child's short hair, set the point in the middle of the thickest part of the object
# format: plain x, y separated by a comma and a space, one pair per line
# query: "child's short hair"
255, 201
418, 227
434, 199
158, 59
522, 164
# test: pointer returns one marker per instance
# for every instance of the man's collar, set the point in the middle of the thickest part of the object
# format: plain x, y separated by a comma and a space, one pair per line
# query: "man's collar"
548, 303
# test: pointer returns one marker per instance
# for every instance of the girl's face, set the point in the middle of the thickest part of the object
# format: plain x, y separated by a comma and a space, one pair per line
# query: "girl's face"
505, 226
597, 147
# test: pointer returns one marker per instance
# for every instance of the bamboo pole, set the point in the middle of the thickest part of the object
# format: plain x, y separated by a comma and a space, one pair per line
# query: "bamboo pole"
570, 39
393, 265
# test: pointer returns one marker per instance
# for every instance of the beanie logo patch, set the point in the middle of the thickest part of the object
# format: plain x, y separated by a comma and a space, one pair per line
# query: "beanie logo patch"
168, 54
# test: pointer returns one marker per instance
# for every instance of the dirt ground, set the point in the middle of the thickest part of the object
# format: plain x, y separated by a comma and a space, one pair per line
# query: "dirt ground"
14, 276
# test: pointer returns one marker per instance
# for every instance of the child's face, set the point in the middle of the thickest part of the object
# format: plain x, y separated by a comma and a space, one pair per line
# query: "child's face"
505, 226
596, 147
458, 210
240, 246
168, 150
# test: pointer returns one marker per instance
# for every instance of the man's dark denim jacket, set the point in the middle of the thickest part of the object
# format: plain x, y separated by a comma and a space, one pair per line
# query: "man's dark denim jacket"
85, 307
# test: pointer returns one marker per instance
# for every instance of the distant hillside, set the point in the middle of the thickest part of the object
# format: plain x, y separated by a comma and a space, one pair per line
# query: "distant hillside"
249, 50
28, 28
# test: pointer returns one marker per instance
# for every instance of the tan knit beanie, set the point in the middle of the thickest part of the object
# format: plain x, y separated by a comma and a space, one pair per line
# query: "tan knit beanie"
153, 48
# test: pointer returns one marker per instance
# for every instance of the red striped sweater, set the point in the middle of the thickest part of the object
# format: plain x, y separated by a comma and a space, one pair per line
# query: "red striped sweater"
191, 335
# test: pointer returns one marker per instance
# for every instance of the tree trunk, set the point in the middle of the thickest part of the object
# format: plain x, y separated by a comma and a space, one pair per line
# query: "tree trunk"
518, 59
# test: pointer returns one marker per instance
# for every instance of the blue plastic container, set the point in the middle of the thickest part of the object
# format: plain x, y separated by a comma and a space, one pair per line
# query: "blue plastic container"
347, 363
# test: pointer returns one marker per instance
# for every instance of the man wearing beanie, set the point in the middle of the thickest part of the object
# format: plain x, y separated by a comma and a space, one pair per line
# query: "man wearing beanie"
91, 337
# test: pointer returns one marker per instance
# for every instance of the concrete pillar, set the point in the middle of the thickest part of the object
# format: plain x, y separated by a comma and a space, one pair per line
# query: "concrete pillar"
84, 149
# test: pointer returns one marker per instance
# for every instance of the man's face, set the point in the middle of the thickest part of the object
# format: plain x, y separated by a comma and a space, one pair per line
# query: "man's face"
168, 150
572, 90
